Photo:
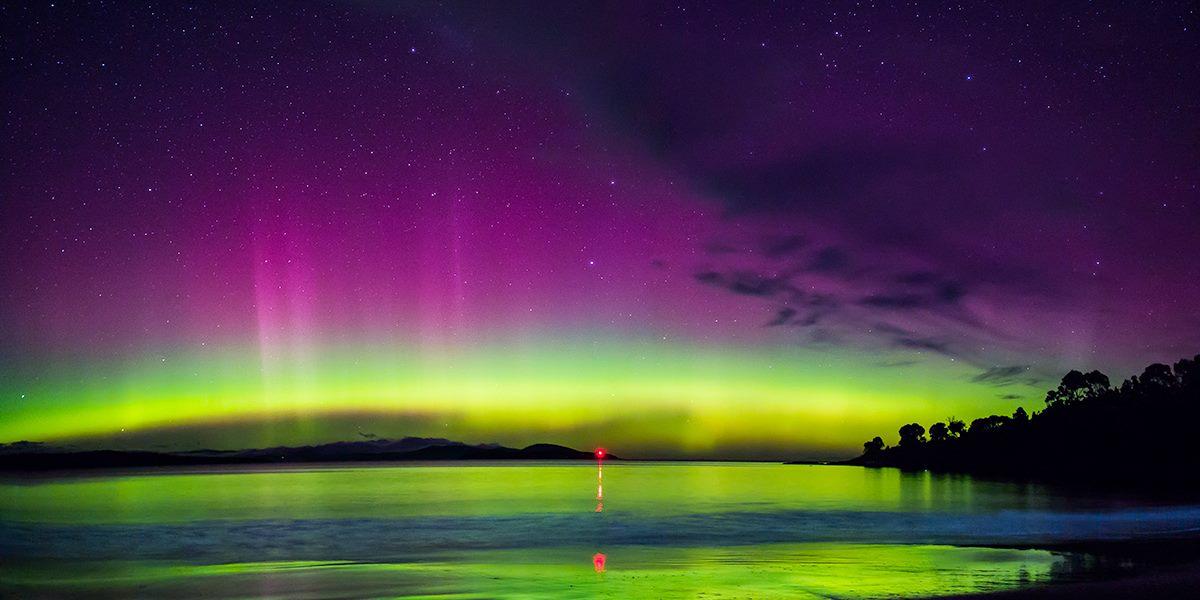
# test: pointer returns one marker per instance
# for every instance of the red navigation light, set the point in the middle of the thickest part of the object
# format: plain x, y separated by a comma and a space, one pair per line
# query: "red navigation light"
598, 562
600, 452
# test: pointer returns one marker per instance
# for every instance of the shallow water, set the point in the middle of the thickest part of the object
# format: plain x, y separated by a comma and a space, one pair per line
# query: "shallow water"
522, 530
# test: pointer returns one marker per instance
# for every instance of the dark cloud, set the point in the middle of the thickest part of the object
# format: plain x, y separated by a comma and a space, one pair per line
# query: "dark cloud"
897, 301
783, 317
780, 246
898, 363
631, 91
825, 301
810, 319
747, 283
950, 292
802, 310
821, 336
829, 260
918, 278
792, 317
369, 436
916, 343
831, 177
1009, 397
903, 338
751, 121
818, 286
918, 291
1001, 376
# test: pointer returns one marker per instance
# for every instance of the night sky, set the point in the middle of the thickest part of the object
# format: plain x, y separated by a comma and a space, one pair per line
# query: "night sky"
761, 229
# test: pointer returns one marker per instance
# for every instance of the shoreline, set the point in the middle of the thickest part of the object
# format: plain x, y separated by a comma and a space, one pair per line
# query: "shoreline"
1165, 567
1174, 582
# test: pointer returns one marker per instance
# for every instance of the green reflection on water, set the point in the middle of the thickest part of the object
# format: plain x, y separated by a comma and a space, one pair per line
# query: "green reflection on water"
766, 570
490, 490
645, 569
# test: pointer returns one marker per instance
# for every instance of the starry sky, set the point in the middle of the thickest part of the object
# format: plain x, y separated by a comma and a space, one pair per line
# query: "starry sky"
673, 229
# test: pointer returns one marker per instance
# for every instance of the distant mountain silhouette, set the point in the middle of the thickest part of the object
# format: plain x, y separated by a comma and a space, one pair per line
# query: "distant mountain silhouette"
1142, 432
37, 456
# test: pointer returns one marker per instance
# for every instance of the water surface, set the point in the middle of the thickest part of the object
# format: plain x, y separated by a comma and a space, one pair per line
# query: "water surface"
522, 530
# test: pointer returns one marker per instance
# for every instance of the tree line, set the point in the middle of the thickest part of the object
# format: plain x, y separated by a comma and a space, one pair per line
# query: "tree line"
1143, 429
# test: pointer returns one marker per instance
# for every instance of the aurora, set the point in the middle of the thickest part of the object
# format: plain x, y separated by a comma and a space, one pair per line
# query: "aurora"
654, 397
718, 233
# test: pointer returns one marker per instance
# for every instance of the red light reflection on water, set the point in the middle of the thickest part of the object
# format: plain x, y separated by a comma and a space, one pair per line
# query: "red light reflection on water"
599, 484
599, 559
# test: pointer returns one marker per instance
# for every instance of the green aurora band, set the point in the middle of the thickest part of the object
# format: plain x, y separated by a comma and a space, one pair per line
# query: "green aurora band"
644, 398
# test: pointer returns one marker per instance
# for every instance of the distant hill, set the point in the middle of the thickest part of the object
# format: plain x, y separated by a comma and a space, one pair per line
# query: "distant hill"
32, 456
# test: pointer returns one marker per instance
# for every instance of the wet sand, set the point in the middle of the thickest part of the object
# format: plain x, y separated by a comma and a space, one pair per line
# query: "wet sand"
1175, 582
1162, 568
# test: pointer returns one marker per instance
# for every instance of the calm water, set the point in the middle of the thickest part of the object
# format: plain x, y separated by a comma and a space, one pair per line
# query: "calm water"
696, 530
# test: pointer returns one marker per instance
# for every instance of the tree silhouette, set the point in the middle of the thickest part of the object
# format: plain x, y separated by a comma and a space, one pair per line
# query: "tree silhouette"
1157, 376
1140, 432
938, 432
873, 447
956, 427
1076, 387
988, 424
1188, 372
912, 435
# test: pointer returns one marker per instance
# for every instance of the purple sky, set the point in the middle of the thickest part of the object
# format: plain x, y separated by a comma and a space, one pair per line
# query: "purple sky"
1010, 187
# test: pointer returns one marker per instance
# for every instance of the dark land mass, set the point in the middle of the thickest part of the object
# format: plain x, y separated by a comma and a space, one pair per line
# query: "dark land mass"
1140, 434
29, 456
